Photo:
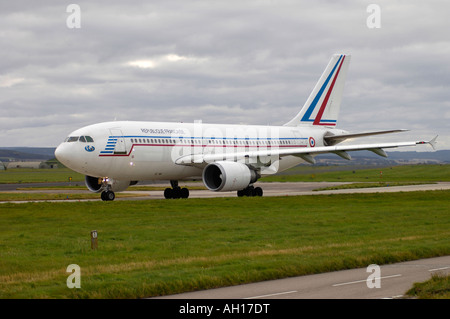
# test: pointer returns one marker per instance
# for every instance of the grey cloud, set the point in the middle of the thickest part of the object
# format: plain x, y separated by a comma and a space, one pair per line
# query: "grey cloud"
246, 62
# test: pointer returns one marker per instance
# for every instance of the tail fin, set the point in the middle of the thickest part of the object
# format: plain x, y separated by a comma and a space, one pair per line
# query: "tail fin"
323, 104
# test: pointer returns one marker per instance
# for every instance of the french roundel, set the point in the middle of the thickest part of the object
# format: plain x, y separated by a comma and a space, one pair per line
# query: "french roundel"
312, 142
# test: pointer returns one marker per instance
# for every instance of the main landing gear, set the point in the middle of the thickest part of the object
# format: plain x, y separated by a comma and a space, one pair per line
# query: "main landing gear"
108, 195
176, 191
250, 191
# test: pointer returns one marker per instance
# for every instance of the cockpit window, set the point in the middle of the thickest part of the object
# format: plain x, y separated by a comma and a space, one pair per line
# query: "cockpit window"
72, 139
83, 139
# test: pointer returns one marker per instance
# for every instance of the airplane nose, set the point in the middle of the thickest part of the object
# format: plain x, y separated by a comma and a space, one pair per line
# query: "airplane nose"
61, 155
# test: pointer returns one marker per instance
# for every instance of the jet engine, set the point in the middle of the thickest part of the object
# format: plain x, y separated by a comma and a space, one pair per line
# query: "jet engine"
228, 176
96, 185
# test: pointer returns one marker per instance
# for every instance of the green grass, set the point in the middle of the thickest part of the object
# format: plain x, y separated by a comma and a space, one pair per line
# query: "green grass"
31, 196
303, 173
157, 247
438, 287
23, 175
403, 173
368, 185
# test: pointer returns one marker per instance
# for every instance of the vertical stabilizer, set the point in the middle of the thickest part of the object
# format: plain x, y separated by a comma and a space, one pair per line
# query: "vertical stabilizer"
323, 104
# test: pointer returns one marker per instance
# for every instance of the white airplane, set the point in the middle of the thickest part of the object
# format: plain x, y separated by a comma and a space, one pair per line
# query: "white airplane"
115, 155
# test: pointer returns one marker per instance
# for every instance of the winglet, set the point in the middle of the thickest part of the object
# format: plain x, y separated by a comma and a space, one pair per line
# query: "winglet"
432, 142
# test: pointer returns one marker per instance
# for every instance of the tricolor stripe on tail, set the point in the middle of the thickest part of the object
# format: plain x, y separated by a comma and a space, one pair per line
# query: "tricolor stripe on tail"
323, 104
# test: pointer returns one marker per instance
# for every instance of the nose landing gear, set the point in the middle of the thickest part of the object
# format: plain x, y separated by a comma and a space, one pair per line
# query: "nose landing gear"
108, 195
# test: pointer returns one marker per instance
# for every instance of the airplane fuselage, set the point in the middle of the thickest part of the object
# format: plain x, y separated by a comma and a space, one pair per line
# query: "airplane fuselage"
149, 150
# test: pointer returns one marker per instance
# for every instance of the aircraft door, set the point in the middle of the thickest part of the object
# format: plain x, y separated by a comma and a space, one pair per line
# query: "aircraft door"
118, 140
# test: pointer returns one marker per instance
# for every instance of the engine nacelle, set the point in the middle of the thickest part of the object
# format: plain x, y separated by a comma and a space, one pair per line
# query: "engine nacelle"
228, 176
95, 184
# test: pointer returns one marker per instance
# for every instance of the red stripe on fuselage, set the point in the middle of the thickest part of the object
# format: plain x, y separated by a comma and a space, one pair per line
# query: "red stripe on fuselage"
203, 146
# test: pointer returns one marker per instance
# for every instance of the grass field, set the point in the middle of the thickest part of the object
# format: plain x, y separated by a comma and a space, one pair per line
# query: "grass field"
438, 287
23, 175
303, 173
157, 247
402, 173
30, 196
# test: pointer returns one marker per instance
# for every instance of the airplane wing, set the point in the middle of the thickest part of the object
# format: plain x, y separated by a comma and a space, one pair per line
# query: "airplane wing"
333, 139
306, 154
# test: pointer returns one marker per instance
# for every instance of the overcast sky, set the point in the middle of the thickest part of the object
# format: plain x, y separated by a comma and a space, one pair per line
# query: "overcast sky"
252, 62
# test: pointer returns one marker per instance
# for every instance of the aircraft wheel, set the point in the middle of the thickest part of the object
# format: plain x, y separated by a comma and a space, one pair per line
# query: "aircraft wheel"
108, 196
184, 192
168, 193
176, 193
249, 191
258, 191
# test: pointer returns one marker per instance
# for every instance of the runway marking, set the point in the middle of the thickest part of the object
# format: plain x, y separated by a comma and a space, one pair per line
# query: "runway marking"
439, 269
365, 280
271, 295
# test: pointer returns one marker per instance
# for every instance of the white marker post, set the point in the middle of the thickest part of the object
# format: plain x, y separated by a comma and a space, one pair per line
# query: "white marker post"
94, 243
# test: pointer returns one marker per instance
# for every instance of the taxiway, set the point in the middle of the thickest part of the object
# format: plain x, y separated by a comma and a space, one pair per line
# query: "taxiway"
394, 280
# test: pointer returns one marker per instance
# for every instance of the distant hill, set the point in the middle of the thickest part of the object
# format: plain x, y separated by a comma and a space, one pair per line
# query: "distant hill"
8, 154
394, 158
358, 158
